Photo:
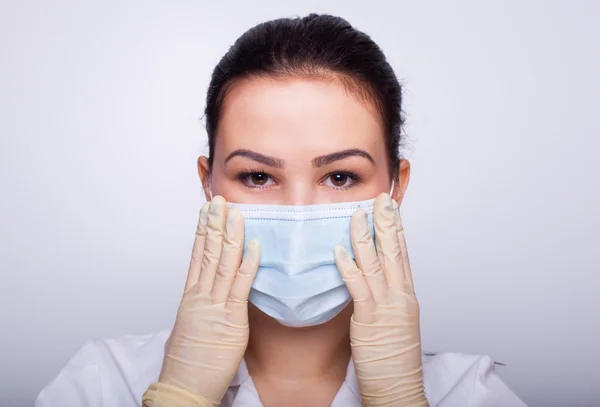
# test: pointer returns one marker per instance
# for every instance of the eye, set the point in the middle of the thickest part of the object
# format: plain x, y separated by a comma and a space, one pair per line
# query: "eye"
341, 180
259, 178
256, 179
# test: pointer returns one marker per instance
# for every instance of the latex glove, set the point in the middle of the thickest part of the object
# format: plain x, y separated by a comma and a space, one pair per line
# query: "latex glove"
384, 329
166, 395
210, 335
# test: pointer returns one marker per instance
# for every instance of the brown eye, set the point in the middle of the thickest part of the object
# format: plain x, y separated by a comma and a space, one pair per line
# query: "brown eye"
341, 180
256, 179
338, 180
259, 178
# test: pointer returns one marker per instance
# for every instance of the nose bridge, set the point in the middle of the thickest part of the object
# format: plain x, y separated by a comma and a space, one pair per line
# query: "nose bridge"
300, 191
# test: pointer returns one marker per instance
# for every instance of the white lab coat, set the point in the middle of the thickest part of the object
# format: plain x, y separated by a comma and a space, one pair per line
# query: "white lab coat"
115, 373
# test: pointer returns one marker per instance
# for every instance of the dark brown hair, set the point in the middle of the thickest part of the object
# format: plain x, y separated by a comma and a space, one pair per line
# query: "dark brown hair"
313, 46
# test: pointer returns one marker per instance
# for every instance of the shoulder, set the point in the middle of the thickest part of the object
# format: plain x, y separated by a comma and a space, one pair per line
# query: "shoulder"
107, 372
457, 379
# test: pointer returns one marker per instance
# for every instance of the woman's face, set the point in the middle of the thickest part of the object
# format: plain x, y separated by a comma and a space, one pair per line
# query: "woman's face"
293, 141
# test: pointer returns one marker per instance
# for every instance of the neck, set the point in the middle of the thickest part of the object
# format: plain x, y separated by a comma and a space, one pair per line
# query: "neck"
298, 354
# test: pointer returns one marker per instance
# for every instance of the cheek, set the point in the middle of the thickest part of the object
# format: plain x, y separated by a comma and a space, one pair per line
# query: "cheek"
221, 185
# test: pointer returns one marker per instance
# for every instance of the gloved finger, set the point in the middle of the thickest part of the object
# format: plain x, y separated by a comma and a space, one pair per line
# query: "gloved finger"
231, 256
408, 285
215, 229
197, 249
237, 301
386, 240
364, 304
365, 255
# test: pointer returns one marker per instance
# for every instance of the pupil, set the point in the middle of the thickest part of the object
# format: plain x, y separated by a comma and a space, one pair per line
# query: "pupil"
339, 179
259, 179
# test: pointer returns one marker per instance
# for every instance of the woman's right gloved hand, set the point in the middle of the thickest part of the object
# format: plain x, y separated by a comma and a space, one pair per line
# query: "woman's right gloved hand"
210, 335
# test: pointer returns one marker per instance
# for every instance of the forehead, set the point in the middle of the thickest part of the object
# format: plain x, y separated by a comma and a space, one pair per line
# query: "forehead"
275, 115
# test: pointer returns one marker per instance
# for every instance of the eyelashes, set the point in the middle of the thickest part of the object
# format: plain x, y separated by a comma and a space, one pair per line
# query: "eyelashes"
337, 177
257, 178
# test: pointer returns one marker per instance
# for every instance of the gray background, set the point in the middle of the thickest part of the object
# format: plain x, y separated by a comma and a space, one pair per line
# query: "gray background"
99, 125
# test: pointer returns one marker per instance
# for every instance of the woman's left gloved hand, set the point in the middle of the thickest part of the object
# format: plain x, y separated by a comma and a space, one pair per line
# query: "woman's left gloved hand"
384, 329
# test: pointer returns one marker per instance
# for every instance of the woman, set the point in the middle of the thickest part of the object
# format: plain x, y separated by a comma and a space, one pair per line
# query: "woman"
304, 126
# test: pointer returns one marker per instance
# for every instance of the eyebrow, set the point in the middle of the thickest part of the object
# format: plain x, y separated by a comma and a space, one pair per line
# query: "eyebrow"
253, 155
340, 155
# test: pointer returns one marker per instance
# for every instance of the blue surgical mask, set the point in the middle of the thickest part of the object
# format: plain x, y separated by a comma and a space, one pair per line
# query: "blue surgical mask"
297, 282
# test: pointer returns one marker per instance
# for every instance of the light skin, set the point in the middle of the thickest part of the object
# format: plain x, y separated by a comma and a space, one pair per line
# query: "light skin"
298, 141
